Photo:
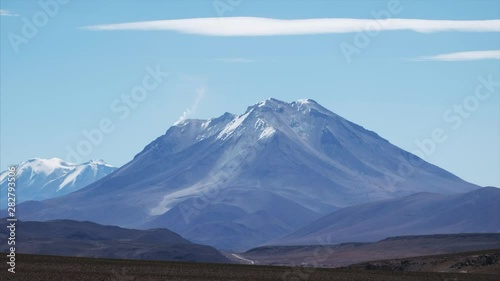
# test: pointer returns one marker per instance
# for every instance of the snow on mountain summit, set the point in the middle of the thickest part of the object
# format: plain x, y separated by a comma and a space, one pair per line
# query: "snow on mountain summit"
45, 166
39, 179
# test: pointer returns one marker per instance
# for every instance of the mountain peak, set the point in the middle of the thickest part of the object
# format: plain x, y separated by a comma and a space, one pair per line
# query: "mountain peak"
277, 102
41, 178
49, 165
276, 167
46, 166
96, 162
262, 106
305, 101
272, 104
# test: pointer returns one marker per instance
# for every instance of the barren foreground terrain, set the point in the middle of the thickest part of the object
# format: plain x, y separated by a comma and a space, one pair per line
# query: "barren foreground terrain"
49, 268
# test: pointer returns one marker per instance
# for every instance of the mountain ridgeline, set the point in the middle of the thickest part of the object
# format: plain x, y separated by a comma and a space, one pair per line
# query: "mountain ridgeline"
238, 181
39, 179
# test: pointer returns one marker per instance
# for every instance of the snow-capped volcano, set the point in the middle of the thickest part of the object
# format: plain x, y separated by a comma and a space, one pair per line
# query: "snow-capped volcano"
237, 181
39, 179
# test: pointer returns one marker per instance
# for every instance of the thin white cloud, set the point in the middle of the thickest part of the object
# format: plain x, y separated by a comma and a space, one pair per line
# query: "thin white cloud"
463, 56
253, 26
235, 60
200, 94
7, 13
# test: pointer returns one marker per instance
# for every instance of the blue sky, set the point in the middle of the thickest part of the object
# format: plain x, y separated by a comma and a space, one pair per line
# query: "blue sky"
68, 74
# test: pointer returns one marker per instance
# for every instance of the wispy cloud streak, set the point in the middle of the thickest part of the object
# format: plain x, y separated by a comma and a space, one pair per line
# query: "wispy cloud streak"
253, 26
235, 60
463, 56
7, 13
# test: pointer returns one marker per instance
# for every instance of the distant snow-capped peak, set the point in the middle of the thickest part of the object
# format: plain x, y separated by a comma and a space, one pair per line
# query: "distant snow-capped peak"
44, 166
38, 166
39, 178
